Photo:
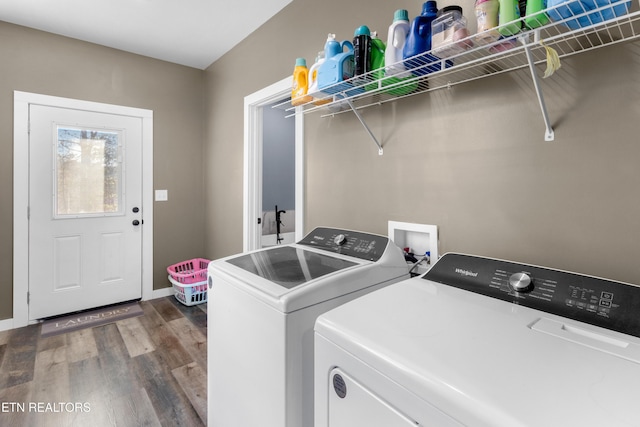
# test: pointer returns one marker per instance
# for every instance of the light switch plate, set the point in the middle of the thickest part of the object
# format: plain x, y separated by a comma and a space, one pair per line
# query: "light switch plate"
162, 195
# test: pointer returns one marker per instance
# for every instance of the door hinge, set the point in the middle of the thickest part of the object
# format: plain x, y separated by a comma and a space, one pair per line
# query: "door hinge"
28, 297
28, 212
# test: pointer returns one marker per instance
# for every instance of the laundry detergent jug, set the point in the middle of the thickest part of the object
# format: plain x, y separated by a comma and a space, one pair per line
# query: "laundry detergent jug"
393, 84
362, 50
396, 38
300, 84
418, 42
318, 99
561, 10
338, 66
377, 62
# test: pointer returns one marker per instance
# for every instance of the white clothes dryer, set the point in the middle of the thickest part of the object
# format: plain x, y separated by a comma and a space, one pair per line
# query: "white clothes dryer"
486, 343
262, 307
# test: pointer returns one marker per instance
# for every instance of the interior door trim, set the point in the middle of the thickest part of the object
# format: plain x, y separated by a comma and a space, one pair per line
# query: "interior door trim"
22, 101
252, 179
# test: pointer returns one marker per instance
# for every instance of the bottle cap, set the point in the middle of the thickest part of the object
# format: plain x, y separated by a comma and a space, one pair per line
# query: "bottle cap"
429, 7
301, 62
401, 15
362, 31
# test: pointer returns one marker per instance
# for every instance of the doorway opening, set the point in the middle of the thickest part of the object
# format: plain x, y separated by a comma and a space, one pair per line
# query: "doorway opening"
263, 224
278, 177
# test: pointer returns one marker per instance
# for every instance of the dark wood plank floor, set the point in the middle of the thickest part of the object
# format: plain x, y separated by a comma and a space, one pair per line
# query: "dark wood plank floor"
144, 371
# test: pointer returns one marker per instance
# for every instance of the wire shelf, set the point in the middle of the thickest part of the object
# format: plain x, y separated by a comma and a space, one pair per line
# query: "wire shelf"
522, 50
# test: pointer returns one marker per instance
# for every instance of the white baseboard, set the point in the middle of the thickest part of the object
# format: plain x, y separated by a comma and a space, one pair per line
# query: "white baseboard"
160, 293
6, 324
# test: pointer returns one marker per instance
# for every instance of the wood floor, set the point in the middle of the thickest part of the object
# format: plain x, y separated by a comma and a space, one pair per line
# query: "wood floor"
149, 370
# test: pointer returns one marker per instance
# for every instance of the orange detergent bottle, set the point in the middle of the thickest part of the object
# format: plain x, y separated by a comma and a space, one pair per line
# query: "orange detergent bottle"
300, 85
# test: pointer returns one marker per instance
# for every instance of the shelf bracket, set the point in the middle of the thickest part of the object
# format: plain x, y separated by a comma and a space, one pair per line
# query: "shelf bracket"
548, 135
355, 111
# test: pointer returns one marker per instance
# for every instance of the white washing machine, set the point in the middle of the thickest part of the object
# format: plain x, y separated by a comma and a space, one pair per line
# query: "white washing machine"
482, 342
262, 307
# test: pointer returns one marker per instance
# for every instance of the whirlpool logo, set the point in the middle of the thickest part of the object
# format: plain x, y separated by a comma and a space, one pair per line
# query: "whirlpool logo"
462, 272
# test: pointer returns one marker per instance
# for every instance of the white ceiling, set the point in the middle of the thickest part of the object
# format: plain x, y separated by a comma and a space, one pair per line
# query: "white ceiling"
188, 32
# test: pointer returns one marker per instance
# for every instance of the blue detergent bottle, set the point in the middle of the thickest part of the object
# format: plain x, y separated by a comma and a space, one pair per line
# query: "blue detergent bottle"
337, 67
564, 9
618, 8
419, 42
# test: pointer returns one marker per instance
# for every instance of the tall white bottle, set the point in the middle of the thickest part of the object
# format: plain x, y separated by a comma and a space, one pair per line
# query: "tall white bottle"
398, 32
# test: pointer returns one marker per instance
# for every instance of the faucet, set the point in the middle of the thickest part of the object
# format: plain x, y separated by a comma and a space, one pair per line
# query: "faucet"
278, 223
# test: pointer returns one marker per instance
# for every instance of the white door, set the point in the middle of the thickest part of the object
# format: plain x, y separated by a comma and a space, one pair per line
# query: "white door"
85, 210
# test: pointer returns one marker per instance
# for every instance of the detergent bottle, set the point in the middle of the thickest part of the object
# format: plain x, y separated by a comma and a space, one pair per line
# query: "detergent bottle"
377, 61
394, 85
337, 67
560, 10
313, 73
419, 42
313, 81
619, 8
362, 50
300, 84
398, 32
508, 13
534, 18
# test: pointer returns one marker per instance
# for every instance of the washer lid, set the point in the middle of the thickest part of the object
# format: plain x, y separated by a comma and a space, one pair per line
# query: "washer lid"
289, 266
327, 264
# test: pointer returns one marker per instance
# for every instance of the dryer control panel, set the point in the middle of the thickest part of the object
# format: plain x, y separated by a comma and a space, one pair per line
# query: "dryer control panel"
351, 243
600, 302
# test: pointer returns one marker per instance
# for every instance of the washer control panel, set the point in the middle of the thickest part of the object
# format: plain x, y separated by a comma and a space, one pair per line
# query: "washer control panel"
600, 302
352, 243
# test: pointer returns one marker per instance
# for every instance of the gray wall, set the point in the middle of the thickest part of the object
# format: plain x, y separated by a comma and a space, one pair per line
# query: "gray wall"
34, 61
471, 160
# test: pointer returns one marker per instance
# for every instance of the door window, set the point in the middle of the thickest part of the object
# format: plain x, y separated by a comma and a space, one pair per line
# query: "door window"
88, 172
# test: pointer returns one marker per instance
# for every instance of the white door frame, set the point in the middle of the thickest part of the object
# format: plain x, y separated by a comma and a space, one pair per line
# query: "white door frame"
21, 102
252, 187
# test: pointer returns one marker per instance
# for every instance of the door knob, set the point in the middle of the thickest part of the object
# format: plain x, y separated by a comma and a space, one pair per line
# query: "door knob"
136, 209
136, 222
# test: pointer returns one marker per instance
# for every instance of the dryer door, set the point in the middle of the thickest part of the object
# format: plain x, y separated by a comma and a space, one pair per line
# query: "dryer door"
352, 404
